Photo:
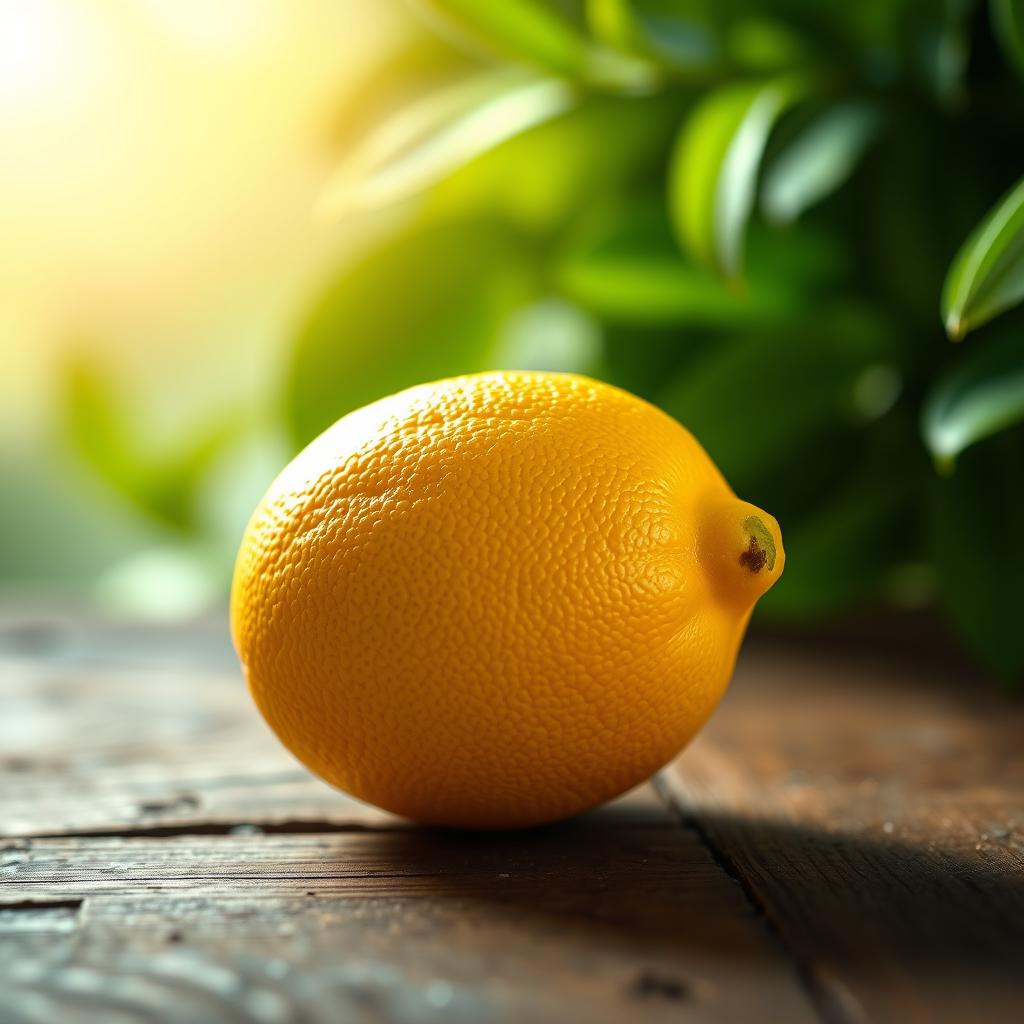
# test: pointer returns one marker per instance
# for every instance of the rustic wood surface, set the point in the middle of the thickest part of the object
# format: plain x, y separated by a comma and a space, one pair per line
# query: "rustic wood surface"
843, 843
875, 814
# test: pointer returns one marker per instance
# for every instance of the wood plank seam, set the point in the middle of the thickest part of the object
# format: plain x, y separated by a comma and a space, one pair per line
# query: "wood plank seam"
827, 1004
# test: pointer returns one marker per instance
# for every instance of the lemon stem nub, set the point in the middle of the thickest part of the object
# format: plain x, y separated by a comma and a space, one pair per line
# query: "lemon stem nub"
760, 550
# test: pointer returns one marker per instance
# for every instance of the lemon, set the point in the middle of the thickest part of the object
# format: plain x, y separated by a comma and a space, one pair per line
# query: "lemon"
497, 600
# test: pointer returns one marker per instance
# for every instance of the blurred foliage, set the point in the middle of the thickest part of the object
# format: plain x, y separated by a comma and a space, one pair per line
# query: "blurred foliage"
164, 483
758, 216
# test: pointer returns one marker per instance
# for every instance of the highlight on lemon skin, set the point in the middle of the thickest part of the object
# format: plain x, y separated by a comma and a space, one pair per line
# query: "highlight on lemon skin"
740, 548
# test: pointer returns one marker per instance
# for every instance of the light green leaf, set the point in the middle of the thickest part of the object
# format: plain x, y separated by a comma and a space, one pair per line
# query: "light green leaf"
415, 64
435, 136
982, 395
713, 175
94, 423
423, 305
625, 265
534, 31
818, 161
518, 28
615, 22
161, 482
977, 518
987, 274
1008, 26
542, 179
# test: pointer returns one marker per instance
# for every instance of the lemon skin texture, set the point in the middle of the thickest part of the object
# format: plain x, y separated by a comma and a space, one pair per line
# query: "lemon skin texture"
497, 600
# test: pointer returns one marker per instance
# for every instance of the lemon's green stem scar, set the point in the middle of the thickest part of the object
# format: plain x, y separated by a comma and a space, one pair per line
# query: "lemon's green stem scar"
760, 547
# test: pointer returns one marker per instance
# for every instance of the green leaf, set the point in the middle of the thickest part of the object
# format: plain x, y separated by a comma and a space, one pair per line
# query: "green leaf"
517, 28
818, 161
1008, 26
624, 264
713, 175
161, 483
982, 395
415, 64
756, 403
937, 44
614, 23
987, 274
765, 44
94, 423
977, 521
691, 36
679, 33
422, 305
435, 136
534, 31
542, 179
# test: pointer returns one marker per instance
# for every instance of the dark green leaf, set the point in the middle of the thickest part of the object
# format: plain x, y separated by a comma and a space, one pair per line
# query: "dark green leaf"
757, 402
431, 138
938, 46
679, 33
425, 304
818, 161
765, 45
982, 395
713, 176
987, 274
978, 520
1008, 25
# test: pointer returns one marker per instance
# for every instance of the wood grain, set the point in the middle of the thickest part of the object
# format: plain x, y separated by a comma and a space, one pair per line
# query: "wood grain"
164, 859
105, 731
844, 843
606, 922
874, 810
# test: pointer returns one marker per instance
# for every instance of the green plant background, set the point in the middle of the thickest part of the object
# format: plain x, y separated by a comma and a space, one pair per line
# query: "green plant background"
768, 218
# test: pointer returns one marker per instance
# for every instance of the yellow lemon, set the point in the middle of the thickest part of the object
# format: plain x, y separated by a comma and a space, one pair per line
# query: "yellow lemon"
497, 600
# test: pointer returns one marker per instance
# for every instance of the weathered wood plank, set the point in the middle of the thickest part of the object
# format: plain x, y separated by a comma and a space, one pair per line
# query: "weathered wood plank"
597, 919
123, 745
87, 751
875, 811
194, 872
871, 810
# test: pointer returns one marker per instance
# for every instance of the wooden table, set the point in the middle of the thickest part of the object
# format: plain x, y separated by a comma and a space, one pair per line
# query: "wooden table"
842, 844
